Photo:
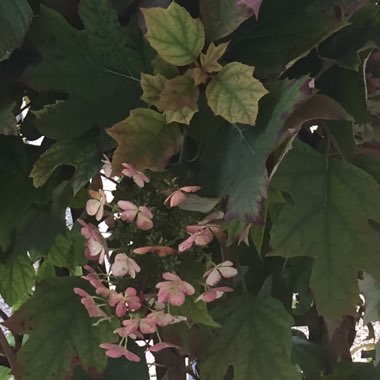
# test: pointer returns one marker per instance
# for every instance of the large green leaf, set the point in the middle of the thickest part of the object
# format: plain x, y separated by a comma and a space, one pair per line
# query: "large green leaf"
278, 36
95, 67
328, 220
60, 332
309, 356
67, 250
234, 94
8, 124
15, 18
233, 164
80, 153
120, 368
177, 37
355, 371
253, 330
144, 140
362, 33
17, 279
222, 17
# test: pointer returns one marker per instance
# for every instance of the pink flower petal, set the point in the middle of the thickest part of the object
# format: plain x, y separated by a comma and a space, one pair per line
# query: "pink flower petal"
161, 346
190, 189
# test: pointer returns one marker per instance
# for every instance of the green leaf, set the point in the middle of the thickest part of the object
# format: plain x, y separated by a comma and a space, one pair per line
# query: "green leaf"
328, 221
234, 94
309, 356
354, 371
144, 140
371, 292
17, 195
17, 279
177, 37
60, 331
233, 163
270, 44
362, 33
15, 18
116, 369
8, 125
5, 373
222, 17
152, 86
95, 66
253, 330
68, 250
80, 153
196, 312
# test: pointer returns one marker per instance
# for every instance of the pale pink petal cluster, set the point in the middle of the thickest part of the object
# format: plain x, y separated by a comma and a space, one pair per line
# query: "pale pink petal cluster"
89, 303
117, 351
222, 270
95, 205
124, 301
124, 265
180, 195
131, 212
107, 166
96, 246
160, 250
138, 177
213, 294
173, 290
199, 235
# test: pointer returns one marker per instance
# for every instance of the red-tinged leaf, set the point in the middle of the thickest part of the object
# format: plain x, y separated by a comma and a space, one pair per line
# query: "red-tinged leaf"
252, 4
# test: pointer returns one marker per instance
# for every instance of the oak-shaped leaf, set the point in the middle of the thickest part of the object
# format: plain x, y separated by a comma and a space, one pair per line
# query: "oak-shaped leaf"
209, 60
174, 34
177, 97
333, 203
60, 332
233, 163
222, 17
97, 65
80, 153
17, 279
234, 94
145, 140
15, 18
178, 93
252, 329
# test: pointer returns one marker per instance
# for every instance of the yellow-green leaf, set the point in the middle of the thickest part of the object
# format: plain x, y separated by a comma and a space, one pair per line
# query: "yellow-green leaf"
234, 94
152, 86
176, 36
145, 140
209, 61
183, 116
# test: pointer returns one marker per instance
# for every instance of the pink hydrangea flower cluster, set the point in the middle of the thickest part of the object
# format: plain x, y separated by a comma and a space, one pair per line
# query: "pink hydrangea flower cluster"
142, 312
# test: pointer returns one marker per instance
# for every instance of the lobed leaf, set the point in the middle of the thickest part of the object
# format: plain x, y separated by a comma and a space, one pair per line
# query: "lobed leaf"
174, 34
144, 140
333, 202
234, 94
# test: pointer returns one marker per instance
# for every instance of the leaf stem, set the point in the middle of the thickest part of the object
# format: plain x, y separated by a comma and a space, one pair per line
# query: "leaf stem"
9, 352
